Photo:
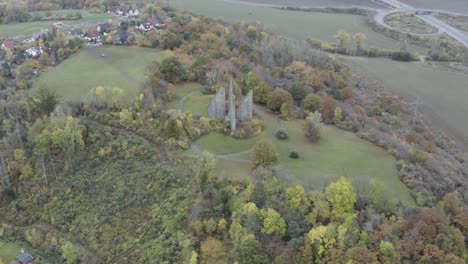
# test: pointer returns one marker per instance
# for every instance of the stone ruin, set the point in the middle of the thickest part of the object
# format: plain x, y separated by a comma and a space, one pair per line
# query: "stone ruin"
217, 107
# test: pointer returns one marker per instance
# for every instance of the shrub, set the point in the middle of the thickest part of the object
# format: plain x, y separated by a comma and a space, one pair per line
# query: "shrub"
311, 103
172, 70
278, 98
327, 107
412, 138
281, 134
294, 155
417, 156
263, 154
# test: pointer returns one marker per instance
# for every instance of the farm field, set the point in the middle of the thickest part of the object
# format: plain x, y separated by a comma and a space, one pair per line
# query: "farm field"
339, 153
457, 6
319, 3
442, 90
18, 29
293, 24
121, 67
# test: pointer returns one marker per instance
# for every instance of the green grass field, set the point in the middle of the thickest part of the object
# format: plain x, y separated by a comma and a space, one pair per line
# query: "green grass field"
442, 90
8, 251
122, 67
339, 153
297, 25
18, 29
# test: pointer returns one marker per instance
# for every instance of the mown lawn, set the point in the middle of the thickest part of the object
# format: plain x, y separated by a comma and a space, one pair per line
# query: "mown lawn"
108, 66
18, 29
8, 251
339, 153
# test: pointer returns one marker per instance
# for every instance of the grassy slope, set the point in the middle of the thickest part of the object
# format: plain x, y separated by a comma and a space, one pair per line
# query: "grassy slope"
17, 29
339, 153
8, 252
299, 25
121, 67
443, 91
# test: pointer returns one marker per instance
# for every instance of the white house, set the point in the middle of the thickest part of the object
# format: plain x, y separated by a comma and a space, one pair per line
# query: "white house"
133, 12
34, 52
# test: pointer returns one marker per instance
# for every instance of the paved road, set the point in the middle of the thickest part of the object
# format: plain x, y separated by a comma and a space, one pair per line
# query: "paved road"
429, 19
382, 14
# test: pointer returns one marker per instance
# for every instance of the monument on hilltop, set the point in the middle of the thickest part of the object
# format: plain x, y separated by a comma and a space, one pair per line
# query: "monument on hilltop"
217, 107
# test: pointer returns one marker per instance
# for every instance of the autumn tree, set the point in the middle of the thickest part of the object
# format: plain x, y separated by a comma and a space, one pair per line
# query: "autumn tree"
451, 240
342, 37
250, 252
170, 40
342, 198
273, 223
63, 134
312, 126
45, 100
387, 251
261, 89
212, 251
311, 103
277, 98
263, 154
171, 69
69, 253
359, 38
295, 194
327, 107
453, 204
337, 116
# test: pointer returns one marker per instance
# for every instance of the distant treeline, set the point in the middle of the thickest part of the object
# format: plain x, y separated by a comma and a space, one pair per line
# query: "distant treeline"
17, 14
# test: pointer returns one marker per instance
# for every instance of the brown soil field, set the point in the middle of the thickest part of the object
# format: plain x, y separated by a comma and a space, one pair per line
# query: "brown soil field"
319, 3
457, 6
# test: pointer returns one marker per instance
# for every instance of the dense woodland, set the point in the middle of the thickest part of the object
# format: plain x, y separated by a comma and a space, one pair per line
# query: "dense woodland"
103, 180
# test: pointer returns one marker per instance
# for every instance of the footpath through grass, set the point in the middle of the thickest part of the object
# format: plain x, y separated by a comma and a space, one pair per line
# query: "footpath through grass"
108, 66
339, 153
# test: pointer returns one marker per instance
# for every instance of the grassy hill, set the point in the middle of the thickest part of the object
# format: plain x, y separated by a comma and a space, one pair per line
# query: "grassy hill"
339, 153
109, 66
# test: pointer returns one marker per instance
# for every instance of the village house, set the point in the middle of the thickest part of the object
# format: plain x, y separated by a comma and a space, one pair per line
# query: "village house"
133, 12
8, 45
34, 52
151, 24
23, 258
104, 28
93, 37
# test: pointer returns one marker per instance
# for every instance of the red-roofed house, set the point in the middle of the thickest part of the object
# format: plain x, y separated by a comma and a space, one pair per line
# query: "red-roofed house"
8, 45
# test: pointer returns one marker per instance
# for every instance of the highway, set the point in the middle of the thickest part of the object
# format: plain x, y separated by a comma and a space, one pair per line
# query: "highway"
429, 19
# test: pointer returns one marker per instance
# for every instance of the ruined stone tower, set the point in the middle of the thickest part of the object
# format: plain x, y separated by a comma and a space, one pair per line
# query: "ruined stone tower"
232, 107
217, 107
